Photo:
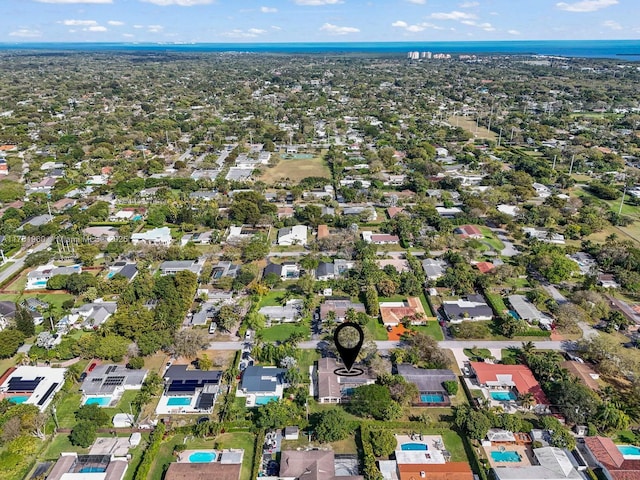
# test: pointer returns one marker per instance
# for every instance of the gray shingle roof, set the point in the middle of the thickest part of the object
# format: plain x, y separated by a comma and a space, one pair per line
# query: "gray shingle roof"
256, 379
427, 380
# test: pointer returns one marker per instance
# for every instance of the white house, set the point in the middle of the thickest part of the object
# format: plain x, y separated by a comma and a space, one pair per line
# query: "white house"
39, 277
157, 236
296, 235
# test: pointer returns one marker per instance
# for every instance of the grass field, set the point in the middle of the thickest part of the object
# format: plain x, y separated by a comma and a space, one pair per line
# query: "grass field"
489, 238
469, 124
244, 440
279, 333
376, 329
296, 170
432, 329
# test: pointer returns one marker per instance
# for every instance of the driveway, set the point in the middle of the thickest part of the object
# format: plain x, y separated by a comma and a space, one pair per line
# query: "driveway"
19, 263
509, 249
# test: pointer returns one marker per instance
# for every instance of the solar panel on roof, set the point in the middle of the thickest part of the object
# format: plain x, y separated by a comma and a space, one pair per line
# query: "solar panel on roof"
114, 381
47, 394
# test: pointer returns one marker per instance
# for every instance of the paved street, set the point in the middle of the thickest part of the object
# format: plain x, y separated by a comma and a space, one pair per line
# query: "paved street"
19, 262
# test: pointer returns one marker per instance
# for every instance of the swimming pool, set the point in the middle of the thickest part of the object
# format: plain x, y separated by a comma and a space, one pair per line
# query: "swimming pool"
506, 456
202, 457
265, 400
19, 399
432, 398
514, 314
136, 218
100, 401
630, 452
111, 274
182, 401
413, 446
92, 470
503, 396
40, 283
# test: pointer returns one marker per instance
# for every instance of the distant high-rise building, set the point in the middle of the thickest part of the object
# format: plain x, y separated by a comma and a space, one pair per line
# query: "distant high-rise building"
413, 55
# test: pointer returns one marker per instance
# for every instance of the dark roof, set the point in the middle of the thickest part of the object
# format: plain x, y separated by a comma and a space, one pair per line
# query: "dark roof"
272, 268
427, 380
8, 309
325, 268
186, 381
262, 379
129, 271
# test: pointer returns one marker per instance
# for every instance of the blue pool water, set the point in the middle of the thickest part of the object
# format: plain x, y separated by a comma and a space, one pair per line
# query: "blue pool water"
503, 396
413, 446
432, 398
202, 457
514, 314
111, 274
40, 283
629, 451
183, 401
506, 456
101, 401
19, 399
136, 218
92, 470
265, 400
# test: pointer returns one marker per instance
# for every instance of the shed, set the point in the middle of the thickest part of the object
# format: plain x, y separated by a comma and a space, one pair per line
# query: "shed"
135, 439
291, 433
123, 420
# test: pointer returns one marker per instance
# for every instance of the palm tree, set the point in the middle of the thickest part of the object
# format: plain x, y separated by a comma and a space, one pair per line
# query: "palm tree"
527, 400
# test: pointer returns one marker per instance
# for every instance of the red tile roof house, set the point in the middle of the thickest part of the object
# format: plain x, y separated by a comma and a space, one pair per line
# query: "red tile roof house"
469, 231
496, 377
613, 463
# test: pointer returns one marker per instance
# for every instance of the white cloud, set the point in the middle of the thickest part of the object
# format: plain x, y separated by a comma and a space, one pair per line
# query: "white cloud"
418, 2
155, 28
469, 4
25, 33
95, 28
250, 33
179, 3
419, 27
586, 5
455, 15
612, 24
487, 27
336, 30
115, 23
513, 32
79, 23
316, 3
268, 10
76, 1
128, 35
138, 26
275, 27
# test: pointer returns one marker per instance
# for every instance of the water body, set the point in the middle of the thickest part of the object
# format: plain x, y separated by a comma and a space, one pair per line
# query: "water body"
628, 50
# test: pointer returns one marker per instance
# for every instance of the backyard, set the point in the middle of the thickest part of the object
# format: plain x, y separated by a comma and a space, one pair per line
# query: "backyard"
295, 170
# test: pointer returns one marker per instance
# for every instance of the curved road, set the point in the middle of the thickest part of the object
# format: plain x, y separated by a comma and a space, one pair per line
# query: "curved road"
18, 264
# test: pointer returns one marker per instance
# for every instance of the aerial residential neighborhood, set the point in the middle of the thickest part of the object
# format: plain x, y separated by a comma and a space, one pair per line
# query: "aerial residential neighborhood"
181, 234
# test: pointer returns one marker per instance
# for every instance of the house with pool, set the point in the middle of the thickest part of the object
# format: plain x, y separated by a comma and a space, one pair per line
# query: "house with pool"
105, 384
547, 463
430, 383
31, 385
73, 466
189, 391
206, 464
503, 385
38, 278
333, 388
618, 462
261, 385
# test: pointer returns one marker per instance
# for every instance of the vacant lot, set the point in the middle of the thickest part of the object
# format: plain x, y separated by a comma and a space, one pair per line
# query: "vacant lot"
469, 124
296, 170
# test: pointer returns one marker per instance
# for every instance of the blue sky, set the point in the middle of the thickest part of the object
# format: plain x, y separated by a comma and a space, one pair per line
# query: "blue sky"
219, 21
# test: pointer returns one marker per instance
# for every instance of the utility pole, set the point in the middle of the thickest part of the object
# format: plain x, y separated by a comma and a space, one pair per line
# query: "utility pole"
513, 129
555, 157
500, 136
624, 192
573, 157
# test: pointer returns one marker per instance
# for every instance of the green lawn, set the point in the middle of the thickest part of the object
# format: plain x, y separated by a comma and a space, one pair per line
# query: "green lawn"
509, 353
432, 329
306, 359
272, 299
165, 454
477, 353
489, 238
244, 440
61, 444
70, 404
376, 329
53, 299
279, 333
454, 445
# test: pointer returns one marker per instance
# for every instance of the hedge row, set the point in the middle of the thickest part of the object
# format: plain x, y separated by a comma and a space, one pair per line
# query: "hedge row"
370, 468
257, 454
496, 303
142, 472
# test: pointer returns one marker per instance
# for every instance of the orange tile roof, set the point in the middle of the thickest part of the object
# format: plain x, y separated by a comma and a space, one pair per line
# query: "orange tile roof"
6, 148
323, 231
521, 376
394, 315
485, 267
607, 454
444, 471
393, 211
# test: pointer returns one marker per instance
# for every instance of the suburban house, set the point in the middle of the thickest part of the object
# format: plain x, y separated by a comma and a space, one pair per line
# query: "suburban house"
392, 313
380, 238
296, 235
399, 264
107, 234
340, 308
174, 266
188, 391
528, 311
332, 388
342, 266
430, 383
62, 204
105, 384
38, 278
224, 269
290, 312
544, 235
260, 385
73, 466
472, 308
323, 231
7, 312
552, 464
199, 238
225, 468
541, 190
438, 471
583, 372
517, 379
127, 270
314, 465
207, 311
469, 231
157, 236
608, 280
285, 270
614, 463
433, 268
32, 385
92, 315
325, 271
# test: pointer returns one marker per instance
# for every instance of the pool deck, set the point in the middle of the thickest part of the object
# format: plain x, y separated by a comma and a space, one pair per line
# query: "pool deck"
526, 458
433, 454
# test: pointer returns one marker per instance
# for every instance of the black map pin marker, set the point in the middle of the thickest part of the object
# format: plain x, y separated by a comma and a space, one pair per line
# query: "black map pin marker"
348, 338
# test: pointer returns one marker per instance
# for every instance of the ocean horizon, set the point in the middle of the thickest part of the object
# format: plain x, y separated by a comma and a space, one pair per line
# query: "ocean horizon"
624, 50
